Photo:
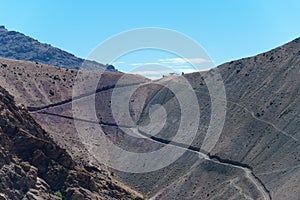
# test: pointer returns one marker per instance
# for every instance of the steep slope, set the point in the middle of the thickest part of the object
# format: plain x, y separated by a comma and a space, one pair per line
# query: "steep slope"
18, 46
38, 85
32, 166
261, 128
256, 157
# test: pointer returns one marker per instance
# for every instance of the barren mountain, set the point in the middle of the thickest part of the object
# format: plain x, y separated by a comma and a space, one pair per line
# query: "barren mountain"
256, 156
38, 85
34, 167
260, 135
18, 46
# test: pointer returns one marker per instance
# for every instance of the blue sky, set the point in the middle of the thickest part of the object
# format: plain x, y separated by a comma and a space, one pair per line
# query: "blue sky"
227, 30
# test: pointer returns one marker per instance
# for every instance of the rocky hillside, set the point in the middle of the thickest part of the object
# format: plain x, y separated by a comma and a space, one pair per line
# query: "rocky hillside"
18, 46
38, 85
32, 166
256, 156
261, 134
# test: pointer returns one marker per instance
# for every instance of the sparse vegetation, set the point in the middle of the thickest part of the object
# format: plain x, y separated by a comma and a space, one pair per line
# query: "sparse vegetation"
60, 195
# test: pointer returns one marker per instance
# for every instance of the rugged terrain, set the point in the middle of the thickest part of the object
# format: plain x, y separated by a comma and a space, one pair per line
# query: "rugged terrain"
37, 85
256, 156
32, 166
261, 134
18, 46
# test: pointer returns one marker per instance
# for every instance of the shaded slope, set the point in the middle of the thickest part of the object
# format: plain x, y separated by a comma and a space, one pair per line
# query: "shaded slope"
39, 85
33, 166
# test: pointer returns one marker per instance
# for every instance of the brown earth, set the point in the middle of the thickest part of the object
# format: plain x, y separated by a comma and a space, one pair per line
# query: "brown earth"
256, 156
33, 166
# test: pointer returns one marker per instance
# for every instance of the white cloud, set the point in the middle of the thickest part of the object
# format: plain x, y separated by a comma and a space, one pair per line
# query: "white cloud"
146, 63
165, 66
185, 70
190, 70
153, 77
182, 66
118, 62
182, 60
152, 72
174, 61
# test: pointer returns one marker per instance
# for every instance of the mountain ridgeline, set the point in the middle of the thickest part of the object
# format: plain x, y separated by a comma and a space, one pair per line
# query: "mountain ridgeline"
257, 155
15, 45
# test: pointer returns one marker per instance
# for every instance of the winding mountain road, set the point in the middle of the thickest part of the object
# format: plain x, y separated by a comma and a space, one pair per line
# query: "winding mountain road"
265, 194
213, 158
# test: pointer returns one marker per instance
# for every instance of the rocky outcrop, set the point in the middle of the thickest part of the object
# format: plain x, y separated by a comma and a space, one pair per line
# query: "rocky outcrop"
32, 166
18, 46
257, 153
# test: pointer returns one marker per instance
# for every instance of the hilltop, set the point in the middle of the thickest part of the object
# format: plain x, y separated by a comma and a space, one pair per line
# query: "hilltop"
15, 45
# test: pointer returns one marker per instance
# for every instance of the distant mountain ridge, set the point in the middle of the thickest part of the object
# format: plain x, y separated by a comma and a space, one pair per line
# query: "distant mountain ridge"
15, 45
257, 155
